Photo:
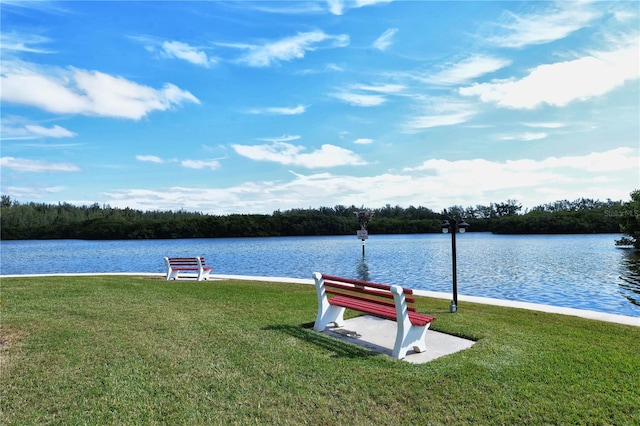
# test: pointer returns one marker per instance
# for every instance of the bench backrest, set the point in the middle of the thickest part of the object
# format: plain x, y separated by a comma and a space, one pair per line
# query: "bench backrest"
186, 262
365, 291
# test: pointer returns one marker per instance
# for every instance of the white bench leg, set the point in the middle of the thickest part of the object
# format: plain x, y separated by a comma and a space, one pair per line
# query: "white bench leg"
413, 338
327, 313
333, 314
408, 336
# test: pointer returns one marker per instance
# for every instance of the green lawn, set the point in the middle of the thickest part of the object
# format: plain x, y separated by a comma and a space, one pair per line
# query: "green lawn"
140, 350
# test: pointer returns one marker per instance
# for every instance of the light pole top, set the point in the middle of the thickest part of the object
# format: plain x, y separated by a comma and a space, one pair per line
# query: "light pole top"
460, 225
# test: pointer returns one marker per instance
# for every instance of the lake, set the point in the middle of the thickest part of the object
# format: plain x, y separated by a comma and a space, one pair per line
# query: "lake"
577, 271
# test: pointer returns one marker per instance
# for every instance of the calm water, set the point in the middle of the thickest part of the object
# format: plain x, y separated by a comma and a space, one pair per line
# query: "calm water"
578, 271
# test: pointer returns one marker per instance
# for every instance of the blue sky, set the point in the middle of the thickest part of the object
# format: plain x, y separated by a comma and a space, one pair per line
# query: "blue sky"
249, 107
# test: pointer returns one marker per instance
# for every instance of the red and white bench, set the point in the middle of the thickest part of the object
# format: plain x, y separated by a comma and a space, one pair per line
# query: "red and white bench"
187, 268
335, 294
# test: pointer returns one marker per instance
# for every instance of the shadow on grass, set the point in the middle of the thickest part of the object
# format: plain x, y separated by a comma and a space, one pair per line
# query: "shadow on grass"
339, 348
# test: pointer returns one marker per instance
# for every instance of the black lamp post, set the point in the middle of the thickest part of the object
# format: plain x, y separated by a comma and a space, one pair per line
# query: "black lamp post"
456, 226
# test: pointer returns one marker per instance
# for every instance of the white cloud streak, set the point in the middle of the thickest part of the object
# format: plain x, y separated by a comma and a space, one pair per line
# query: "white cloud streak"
595, 162
283, 138
51, 132
289, 48
14, 128
77, 91
385, 40
288, 154
22, 43
201, 164
363, 141
149, 159
300, 109
35, 166
358, 94
179, 50
467, 70
561, 83
338, 7
552, 24
527, 136
439, 112
361, 100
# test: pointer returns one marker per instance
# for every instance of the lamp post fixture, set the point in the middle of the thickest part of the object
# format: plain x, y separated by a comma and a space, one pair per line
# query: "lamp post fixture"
455, 226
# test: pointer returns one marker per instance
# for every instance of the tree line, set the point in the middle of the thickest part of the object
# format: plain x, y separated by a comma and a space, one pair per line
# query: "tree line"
19, 221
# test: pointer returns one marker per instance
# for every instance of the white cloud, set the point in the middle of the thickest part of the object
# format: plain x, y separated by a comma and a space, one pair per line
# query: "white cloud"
468, 69
22, 43
149, 158
363, 141
385, 40
189, 164
595, 162
323, 69
381, 88
337, 7
289, 48
51, 132
176, 49
439, 112
37, 166
283, 138
428, 121
358, 99
545, 125
300, 109
288, 154
527, 136
561, 83
201, 164
17, 192
435, 184
15, 128
358, 94
77, 91
552, 24
362, 3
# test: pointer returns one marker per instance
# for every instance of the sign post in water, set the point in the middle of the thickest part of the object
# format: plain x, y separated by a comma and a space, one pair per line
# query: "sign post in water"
364, 217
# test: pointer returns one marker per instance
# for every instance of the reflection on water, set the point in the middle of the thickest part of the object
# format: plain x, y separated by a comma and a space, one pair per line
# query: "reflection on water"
362, 269
630, 277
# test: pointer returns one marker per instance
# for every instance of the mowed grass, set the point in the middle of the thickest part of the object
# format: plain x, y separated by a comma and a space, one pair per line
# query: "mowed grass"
140, 350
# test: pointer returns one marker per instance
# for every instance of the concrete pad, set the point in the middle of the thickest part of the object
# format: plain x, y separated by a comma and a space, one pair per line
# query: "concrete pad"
379, 335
